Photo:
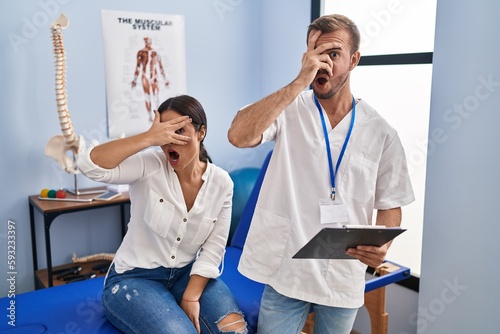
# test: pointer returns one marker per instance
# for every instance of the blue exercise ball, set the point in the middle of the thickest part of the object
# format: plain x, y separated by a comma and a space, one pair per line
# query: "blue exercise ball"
244, 180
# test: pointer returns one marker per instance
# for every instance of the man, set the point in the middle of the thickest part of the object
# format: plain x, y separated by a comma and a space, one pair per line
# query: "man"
335, 160
150, 64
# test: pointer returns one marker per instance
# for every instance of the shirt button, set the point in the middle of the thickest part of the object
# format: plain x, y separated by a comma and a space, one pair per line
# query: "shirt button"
214, 221
178, 239
172, 257
161, 200
185, 220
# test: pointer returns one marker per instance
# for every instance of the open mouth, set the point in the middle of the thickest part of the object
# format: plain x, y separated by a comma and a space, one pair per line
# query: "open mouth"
322, 78
321, 81
174, 156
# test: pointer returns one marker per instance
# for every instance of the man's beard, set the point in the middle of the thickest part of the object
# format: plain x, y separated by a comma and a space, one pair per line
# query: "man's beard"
331, 93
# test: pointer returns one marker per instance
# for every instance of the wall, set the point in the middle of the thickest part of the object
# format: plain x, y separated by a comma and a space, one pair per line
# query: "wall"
458, 286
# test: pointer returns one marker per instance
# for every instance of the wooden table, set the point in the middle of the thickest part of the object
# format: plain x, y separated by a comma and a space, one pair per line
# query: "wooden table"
51, 209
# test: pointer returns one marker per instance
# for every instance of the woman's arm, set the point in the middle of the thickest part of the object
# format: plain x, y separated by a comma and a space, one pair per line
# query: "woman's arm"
111, 154
211, 254
213, 249
190, 300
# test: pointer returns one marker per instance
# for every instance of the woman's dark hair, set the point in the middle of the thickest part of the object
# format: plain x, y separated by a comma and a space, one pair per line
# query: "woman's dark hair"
189, 106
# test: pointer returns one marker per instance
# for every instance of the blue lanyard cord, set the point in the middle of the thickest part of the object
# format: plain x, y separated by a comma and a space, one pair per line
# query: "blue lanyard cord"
327, 140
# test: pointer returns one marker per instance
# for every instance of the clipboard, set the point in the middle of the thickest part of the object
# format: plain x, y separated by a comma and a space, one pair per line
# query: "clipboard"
331, 243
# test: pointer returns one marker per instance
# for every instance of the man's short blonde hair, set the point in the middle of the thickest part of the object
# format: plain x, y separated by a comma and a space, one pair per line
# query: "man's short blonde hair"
335, 22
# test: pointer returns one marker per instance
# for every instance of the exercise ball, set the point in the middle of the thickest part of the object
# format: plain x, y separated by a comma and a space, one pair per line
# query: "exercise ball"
244, 180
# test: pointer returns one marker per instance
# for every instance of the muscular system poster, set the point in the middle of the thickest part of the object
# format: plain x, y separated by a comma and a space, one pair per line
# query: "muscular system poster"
144, 65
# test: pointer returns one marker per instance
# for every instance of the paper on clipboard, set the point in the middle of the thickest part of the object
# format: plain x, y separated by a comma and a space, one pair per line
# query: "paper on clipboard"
331, 243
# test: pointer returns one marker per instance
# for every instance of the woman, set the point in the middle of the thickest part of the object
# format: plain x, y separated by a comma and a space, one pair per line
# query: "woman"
164, 274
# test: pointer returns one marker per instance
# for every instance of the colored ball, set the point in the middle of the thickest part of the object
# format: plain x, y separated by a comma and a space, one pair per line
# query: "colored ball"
51, 193
60, 194
44, 193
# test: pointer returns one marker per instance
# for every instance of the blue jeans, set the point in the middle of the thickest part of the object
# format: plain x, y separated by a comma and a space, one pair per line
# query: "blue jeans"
147, 301
279, 314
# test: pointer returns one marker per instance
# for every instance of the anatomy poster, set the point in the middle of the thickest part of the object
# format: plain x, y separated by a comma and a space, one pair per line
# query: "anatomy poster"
144, 63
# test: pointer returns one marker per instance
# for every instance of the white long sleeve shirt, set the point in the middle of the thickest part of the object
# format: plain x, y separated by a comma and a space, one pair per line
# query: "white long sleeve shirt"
161, 231
373, 175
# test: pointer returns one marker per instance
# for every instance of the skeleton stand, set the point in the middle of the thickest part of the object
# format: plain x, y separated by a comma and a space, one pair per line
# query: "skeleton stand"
77, 192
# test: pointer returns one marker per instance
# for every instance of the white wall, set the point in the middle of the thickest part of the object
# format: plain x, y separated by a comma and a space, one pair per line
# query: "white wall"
459, 290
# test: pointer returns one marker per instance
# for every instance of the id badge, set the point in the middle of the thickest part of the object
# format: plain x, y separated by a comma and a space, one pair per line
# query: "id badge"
333, 212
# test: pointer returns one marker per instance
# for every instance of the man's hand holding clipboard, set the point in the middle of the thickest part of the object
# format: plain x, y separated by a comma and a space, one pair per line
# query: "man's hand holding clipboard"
365, 243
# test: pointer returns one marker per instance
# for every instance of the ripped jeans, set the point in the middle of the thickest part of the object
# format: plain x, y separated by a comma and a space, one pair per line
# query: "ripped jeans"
147, 301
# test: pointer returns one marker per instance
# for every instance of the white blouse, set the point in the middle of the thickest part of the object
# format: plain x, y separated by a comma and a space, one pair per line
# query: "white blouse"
161, 231
373, 175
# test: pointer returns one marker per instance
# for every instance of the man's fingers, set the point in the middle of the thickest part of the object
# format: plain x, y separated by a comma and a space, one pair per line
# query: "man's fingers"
370, 255
313, 37
311, 44
326, 63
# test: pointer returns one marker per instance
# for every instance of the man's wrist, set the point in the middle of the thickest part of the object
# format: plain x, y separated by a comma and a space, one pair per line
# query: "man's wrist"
299, 85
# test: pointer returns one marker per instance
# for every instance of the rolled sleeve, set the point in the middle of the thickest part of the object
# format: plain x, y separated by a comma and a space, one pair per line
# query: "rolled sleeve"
128, 171
205, 269
212, 251
88, 168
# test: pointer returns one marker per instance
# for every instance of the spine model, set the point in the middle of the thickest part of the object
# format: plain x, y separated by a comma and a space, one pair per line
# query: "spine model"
59, 145
61, 95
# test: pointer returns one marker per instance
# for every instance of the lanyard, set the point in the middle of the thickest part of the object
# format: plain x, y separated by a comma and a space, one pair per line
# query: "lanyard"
327, 140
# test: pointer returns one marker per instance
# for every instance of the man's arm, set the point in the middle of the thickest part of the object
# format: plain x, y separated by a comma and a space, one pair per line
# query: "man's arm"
251, 122
371, 255
389, 218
